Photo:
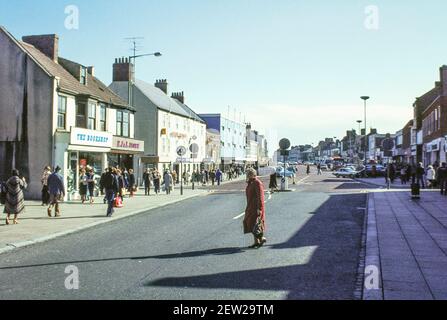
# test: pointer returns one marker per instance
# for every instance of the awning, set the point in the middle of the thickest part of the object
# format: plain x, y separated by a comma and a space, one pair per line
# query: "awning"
73, 147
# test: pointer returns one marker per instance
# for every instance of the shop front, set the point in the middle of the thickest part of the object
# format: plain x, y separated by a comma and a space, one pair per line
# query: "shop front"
433, 152
86, 149
124, 151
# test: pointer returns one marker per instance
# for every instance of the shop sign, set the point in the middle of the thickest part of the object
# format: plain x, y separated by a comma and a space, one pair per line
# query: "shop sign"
92, 138
126, 144
178, 135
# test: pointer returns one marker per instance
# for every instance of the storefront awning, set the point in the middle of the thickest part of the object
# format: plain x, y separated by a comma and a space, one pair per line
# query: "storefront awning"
73, 147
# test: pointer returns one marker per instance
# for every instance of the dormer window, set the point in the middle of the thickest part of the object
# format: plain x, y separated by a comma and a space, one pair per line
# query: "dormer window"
83, 78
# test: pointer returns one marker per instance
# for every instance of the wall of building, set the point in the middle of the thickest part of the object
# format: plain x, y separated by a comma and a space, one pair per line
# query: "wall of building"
26, 107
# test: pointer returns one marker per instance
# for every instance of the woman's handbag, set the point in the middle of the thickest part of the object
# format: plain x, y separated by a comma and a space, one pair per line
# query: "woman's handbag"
258, 229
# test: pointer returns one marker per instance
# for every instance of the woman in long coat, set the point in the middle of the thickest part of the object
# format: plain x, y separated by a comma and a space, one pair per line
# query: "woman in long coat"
15, 201
254, 221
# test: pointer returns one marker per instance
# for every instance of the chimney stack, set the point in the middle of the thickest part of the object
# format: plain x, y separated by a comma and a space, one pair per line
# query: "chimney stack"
48, 44
162, 84
91, 70
179, 96
123, 70
443, 77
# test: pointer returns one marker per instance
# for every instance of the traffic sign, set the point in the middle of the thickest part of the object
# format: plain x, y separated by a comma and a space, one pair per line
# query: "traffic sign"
284, 144
181, 151
194, 148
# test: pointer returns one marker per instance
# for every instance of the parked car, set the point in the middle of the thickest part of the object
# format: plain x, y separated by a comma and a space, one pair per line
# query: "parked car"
290, 173
380, 170
346, 173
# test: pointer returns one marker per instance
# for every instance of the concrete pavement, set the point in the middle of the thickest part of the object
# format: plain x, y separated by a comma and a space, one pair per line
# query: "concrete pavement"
35, 226
407, 243
196, 250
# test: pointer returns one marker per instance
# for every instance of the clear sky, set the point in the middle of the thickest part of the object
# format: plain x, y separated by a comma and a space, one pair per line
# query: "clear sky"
295, 68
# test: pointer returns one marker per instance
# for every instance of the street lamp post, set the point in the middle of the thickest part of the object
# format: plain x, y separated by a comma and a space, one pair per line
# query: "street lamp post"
364, 98
130, 98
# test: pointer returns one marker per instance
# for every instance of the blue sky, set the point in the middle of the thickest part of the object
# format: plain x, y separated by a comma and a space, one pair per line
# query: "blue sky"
295, 68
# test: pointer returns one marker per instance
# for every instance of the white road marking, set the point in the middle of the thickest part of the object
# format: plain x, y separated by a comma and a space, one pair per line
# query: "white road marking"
239, 216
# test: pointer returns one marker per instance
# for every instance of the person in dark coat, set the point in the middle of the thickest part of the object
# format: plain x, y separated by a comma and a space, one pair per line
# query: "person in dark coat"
213, 176
111, 186
157, 178
15, 200
419, 175
218, 176
441, 176
56, 189
308, 170
254, 220
132, 183
147, 177
273, 184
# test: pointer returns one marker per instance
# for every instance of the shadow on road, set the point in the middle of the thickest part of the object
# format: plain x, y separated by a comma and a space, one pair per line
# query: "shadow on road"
334, 230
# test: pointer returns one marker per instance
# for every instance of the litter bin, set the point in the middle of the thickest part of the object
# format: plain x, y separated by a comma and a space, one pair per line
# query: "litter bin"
284, 183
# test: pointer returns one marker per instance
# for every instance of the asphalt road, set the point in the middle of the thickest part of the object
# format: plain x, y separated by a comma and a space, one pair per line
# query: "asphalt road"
196, 250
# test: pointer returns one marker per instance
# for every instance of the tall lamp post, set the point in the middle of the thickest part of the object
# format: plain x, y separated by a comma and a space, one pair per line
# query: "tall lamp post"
360, 134
130, 84
364, 98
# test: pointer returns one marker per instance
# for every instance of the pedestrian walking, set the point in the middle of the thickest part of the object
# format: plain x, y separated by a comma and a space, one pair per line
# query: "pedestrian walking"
308, 169
419, 175
91, 185
403, 175
15, 200
111, 186
101, 185
213, 177
441, 176
319, 172
157, 182
167, 181
57, 192
273, 184
83, 185
218, 176
44, 180
147, 177
431, 177
121, 184
254, 220
132, 183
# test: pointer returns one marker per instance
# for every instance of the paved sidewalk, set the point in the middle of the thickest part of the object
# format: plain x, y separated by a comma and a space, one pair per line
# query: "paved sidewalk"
407, 241
35, 225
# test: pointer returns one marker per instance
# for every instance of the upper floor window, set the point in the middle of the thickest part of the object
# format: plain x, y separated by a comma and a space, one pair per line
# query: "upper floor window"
122, 123
83, 78
91, 122
61, 112
80, 115
102, 117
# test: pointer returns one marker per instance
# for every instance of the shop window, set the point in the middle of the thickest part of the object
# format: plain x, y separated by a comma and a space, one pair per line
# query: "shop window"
91, 122
61, 112
80, 116
103, 117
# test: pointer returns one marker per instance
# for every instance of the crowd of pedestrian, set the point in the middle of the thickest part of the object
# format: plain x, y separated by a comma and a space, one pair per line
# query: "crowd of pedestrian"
430, 177
114, 184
